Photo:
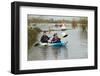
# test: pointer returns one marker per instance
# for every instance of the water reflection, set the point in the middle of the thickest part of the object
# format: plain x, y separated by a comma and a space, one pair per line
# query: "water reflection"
48, 53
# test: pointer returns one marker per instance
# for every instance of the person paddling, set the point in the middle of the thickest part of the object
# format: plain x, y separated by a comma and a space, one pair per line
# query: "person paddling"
55, 39
44, 38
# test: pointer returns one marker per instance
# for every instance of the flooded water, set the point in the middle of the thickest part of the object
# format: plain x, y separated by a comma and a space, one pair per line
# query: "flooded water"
76, 47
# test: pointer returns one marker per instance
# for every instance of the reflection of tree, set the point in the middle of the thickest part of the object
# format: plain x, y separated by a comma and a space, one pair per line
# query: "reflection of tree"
37, 20
74, 23
41, 19
84, 23
32, 36
51, 20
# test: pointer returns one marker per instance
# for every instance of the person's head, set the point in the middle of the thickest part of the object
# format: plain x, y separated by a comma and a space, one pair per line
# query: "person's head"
55, 35
44, 33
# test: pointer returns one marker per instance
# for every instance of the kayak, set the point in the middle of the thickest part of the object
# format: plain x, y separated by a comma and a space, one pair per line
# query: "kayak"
60, 44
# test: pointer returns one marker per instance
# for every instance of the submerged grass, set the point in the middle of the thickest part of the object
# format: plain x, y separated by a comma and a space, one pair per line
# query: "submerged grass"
32, 36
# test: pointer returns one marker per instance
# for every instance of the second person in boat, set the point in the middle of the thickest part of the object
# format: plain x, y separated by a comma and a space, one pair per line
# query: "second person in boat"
55, 39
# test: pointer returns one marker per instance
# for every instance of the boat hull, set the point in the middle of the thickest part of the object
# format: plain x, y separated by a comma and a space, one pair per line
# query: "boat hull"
61, 44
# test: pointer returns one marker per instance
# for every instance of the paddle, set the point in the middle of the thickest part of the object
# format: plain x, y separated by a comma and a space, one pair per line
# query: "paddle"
65, 35
36, 44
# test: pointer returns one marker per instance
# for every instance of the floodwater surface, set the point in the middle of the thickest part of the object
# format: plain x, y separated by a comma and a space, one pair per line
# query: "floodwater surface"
76, 48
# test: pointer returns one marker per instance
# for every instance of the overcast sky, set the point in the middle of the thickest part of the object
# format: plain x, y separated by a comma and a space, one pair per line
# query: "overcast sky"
55, 17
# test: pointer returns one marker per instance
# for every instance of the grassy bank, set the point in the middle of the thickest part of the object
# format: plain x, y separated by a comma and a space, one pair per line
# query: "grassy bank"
32, 36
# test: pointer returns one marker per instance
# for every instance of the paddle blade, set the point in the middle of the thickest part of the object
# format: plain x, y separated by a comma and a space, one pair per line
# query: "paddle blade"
37, 44
65, 35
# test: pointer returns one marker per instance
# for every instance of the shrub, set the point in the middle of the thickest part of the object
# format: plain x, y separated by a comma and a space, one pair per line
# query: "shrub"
32, 36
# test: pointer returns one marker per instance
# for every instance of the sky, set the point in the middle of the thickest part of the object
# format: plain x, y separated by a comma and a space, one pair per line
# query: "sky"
55, 17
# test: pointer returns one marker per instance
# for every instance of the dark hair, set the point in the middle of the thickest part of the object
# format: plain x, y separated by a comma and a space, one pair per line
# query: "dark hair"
55, 34
44, 31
